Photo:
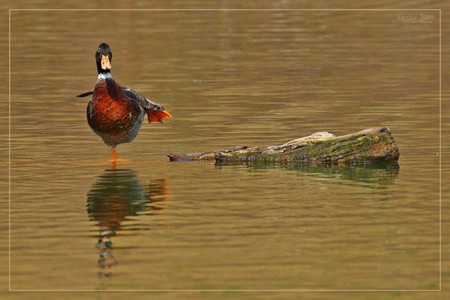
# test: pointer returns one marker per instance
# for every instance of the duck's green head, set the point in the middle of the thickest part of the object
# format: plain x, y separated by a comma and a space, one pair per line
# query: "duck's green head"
103, 56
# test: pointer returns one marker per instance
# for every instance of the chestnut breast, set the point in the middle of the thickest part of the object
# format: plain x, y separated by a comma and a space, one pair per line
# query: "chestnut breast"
110, 112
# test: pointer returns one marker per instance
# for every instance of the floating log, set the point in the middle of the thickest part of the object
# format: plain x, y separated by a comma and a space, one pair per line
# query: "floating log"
369, 145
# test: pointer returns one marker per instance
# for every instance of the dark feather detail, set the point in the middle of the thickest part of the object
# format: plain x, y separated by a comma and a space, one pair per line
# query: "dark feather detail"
85, 94
144, 102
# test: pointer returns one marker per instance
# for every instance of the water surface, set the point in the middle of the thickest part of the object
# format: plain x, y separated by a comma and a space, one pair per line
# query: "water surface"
228, 78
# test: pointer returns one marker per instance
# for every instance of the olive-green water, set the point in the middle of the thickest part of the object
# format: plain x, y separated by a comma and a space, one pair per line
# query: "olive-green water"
228, 78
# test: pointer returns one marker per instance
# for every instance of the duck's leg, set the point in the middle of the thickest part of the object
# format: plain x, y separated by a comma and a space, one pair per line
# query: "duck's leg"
114, 153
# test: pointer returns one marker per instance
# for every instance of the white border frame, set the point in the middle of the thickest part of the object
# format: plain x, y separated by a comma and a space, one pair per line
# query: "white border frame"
225, 290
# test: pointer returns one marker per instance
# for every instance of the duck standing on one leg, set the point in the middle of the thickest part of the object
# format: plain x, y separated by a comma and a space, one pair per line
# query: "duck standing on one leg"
116, 113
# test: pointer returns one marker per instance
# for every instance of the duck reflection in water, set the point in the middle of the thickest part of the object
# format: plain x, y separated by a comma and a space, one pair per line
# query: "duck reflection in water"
117, 195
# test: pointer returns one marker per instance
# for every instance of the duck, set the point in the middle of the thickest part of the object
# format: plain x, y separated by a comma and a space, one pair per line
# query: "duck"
116, 113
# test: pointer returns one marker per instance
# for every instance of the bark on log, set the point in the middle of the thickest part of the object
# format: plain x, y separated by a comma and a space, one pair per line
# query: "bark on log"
369, 145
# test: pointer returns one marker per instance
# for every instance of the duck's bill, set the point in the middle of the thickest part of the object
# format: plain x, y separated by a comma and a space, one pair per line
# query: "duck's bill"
106, 63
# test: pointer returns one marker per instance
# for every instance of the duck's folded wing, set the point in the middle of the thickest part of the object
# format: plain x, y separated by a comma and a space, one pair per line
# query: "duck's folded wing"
144, 102
155, 112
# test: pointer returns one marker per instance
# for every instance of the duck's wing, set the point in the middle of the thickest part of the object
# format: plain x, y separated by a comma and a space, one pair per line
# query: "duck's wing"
86, 94
147, 104
155, 112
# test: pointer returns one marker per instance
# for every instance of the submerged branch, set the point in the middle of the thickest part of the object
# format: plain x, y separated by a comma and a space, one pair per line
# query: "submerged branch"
369, 145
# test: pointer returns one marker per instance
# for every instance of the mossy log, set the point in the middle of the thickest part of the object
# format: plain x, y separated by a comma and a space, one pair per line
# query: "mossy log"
369, 145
